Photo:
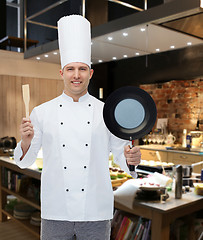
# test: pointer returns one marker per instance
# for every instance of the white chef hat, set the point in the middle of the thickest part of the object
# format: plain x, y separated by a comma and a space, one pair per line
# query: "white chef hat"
74, 37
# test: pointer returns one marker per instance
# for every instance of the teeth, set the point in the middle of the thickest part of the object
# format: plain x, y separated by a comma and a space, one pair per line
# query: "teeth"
76, 82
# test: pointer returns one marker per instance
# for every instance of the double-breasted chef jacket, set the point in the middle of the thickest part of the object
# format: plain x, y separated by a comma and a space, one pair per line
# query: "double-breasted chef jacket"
75, 181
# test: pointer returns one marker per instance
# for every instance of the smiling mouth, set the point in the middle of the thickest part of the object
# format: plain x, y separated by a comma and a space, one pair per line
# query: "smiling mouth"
75, 82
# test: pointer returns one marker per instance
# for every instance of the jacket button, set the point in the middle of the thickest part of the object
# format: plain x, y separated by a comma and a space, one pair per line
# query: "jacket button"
86, 145
85, 166
61, 123
64, 145
67, 190
83, 189
89, 105
60, 105
65, 167
88, 122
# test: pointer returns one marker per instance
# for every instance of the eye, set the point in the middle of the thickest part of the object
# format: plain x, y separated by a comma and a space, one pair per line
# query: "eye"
69, 69
83, 68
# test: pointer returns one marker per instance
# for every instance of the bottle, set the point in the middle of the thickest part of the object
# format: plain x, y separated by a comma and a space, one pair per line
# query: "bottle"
179, 182
197, 126
188, 141
184, 138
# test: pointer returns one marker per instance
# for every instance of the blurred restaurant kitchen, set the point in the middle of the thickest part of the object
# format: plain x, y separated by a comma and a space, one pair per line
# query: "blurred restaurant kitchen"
156, 45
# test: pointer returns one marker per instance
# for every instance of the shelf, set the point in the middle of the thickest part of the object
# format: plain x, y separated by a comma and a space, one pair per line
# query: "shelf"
31, 202
16, 42
24, 223
10, 164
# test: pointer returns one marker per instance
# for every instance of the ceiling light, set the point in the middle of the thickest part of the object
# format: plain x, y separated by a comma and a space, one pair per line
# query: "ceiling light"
125, 56
91, 43
38, 58
137, 53
172, 46
114, 58
189, 43
110, 38
125, 34
142, 29
157, 49
100, 61
46, 55
55, 53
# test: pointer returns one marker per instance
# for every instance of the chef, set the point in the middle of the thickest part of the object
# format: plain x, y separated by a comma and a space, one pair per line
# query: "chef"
76, 190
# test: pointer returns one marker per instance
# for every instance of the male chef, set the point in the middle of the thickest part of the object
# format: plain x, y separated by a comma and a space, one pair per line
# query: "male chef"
76, 190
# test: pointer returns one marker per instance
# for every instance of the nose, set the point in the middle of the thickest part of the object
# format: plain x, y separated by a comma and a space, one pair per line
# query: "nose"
76, 74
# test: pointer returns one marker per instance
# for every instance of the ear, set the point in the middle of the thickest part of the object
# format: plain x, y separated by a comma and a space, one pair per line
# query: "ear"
91, 73
61, 73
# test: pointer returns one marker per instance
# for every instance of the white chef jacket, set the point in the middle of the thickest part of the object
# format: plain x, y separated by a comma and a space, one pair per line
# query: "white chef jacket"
75, 180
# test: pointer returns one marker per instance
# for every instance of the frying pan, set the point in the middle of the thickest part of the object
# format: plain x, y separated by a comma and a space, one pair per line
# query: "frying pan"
129, 113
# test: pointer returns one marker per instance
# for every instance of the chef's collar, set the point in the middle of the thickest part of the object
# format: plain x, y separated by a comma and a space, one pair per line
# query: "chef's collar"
70, 99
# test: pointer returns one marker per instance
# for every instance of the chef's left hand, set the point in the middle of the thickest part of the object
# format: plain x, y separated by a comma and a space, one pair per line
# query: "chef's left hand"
132, 155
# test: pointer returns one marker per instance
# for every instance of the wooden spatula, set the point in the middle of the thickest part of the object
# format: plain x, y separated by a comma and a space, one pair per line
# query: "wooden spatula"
26, 98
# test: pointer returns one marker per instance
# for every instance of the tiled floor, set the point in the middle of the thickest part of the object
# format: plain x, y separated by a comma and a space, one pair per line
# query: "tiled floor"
10, 230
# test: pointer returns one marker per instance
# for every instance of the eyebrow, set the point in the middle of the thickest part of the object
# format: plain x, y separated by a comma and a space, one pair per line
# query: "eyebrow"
78, 67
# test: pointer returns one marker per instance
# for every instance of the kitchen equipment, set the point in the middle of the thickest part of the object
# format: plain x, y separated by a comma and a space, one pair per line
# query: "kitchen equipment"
188, 169
150, 195
197, 138
170, 139
129, 113
26, 98
7, 145
178, 182
7, 142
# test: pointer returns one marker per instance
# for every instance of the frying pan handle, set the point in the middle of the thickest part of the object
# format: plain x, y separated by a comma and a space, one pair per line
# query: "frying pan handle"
131, 167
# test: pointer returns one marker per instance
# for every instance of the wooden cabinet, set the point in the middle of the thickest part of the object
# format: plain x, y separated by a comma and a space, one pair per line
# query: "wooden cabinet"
186, 159
4, 191
151, 155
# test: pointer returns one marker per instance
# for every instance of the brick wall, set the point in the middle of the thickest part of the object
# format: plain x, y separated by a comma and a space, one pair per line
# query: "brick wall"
180, 101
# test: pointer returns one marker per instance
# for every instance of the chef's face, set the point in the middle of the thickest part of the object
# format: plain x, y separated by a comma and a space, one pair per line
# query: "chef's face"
76, 78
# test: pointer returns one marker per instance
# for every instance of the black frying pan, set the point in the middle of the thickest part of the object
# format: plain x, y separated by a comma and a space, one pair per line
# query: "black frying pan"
129, 113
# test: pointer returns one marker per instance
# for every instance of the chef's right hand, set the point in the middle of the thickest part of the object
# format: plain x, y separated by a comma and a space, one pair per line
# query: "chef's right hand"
27, 134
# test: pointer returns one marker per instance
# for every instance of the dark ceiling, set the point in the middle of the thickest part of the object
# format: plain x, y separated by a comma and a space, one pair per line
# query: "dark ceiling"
191, 25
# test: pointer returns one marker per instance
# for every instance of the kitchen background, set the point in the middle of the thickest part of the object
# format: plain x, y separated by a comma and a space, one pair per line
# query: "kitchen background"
179, 101
173, 78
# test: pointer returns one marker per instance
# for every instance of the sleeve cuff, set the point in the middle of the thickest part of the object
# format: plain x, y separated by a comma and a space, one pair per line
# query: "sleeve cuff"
27, 159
